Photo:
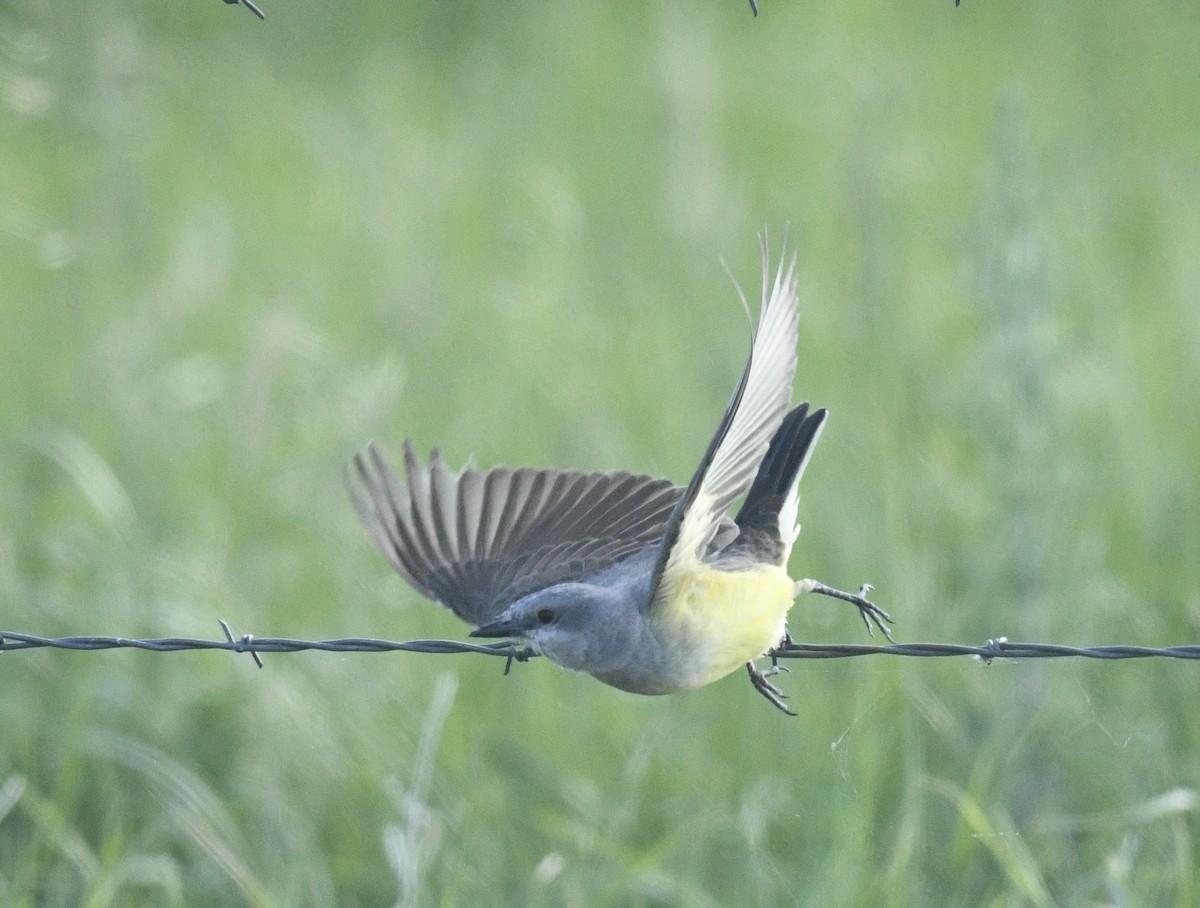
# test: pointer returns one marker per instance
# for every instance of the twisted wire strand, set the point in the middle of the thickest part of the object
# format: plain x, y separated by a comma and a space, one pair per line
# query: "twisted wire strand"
996, 648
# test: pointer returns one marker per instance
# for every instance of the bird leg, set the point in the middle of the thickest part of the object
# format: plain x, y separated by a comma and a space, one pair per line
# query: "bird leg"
872, 615
765, 687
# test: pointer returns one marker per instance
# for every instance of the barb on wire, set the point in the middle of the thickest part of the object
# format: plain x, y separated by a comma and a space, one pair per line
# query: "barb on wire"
996, 648
246, 638
249, 4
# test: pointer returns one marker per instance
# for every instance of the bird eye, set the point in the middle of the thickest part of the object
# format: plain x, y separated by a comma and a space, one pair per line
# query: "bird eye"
546, 615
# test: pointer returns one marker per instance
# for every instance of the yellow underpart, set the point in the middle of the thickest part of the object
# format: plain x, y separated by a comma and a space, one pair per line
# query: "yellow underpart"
711, 622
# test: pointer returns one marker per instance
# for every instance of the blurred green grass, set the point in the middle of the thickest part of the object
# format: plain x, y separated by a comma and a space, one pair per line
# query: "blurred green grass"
232, 252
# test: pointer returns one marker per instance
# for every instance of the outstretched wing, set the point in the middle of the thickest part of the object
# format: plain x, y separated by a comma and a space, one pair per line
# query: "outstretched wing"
754, 414
476, 541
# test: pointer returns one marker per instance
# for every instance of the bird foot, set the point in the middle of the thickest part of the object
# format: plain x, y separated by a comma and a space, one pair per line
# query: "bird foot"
766, 688
872, 615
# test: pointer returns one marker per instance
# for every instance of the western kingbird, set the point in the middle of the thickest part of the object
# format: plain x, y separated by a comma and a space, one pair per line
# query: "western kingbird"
645, 585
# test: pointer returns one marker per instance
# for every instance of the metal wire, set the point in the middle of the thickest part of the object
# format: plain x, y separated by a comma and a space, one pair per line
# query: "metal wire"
996, 648
249, 4
248, 643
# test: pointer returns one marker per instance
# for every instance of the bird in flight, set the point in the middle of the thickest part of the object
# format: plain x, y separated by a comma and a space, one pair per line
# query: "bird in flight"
646, 585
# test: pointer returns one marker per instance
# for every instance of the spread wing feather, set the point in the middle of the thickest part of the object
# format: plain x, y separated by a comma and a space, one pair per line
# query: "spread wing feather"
737, 448
476, 541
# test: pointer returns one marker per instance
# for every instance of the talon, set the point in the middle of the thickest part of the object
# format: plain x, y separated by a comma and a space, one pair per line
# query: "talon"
767, 689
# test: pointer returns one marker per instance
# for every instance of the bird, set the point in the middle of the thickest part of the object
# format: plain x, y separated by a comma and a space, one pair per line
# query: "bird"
648, 586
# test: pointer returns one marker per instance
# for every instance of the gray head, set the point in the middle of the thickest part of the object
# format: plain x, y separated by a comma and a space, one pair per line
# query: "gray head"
581, 626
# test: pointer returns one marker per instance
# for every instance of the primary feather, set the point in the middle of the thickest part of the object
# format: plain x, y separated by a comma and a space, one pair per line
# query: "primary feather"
737, 448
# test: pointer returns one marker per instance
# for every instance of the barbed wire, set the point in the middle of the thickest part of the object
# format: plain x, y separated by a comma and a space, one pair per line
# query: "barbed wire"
995, 648
249, 4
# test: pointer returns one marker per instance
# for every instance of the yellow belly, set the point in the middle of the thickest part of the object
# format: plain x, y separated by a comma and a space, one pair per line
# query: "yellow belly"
715, 621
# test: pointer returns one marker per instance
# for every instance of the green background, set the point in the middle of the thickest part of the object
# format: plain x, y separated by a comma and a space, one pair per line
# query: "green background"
232, 252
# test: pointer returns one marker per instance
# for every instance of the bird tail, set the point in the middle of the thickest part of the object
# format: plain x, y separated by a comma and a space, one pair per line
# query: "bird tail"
767, 520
